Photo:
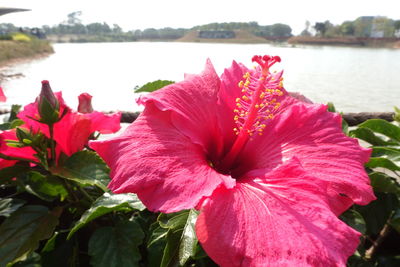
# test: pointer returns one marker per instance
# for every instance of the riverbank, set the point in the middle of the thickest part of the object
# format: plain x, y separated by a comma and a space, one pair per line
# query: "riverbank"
346, 41
11, 51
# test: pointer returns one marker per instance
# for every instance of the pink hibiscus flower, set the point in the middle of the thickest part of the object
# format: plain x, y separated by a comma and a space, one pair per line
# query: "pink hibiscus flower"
71, 132
268, 172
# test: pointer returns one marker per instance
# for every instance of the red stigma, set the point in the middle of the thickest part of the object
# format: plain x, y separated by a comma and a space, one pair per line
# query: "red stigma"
45, 82
266, 61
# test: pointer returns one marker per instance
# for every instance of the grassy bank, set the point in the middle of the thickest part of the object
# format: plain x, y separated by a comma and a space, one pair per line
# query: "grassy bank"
11, 50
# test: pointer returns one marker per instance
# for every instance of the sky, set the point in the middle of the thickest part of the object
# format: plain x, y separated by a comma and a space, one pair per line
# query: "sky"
188, 13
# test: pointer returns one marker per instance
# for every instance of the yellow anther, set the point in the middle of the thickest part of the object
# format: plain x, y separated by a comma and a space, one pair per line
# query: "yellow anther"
263, 126
262, 95
244, 90
271, 116
236, 110
236, 118
260, 133
257, 106
246, 113
247, 83
240, 84
237, 99
238, 105
245, 98
246, 75
262, 105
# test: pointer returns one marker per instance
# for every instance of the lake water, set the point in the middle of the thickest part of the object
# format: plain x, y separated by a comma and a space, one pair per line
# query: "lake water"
354, 79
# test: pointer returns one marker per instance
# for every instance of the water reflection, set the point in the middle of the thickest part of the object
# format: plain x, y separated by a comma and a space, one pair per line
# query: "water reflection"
355, 79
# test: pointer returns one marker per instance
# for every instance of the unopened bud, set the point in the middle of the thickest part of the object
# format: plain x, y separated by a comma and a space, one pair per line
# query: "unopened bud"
85, 103
48, 105
47, 93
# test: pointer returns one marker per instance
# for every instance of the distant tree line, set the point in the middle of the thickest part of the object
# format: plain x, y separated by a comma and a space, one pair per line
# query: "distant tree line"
274, 30
366, 26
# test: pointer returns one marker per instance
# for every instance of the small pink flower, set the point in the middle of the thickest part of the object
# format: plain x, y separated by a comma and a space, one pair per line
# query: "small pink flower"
269, 173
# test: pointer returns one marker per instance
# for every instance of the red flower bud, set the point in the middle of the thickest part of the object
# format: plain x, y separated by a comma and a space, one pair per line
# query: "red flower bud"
48, 105
85, 103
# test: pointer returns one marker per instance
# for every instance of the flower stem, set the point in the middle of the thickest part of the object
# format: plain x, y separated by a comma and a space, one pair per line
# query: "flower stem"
382, 235
52, 146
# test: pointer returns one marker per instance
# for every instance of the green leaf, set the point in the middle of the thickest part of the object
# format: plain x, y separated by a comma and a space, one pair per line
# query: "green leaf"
381, 182
171, 250
331, 107
188, 240
11, 172
61, 252
173, 220
181, 237
108, 203
153, 86
47, 188
14, 111
86, 168
116, 246
396, 116
378, 211
383, 127
33, 260
157, 234
382, 163
369, 136
387, 152
21, 232
9, 205
354, 220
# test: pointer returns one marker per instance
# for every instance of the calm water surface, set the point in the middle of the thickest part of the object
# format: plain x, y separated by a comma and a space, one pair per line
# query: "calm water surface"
354, 79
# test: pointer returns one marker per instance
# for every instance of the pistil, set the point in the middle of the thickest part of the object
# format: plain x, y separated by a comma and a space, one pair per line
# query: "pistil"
255, 107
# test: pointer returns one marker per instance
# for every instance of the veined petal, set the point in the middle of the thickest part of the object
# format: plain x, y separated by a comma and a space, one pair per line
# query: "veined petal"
192, 103
282, 219
315, 137
159, 163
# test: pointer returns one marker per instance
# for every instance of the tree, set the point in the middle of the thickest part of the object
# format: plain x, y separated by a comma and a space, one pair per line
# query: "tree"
347, 28
281, 30
320, 28
73, 18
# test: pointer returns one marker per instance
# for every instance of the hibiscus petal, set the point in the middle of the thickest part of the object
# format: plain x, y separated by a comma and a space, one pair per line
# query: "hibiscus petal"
72, 132
315, 137
280, 220
154, 159
192, 103
104, 123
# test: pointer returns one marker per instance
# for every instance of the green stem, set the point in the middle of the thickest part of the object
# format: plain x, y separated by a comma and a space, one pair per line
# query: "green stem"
52, 146
17, 158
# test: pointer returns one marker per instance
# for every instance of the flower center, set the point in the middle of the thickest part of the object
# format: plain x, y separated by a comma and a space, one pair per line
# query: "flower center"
256, 106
